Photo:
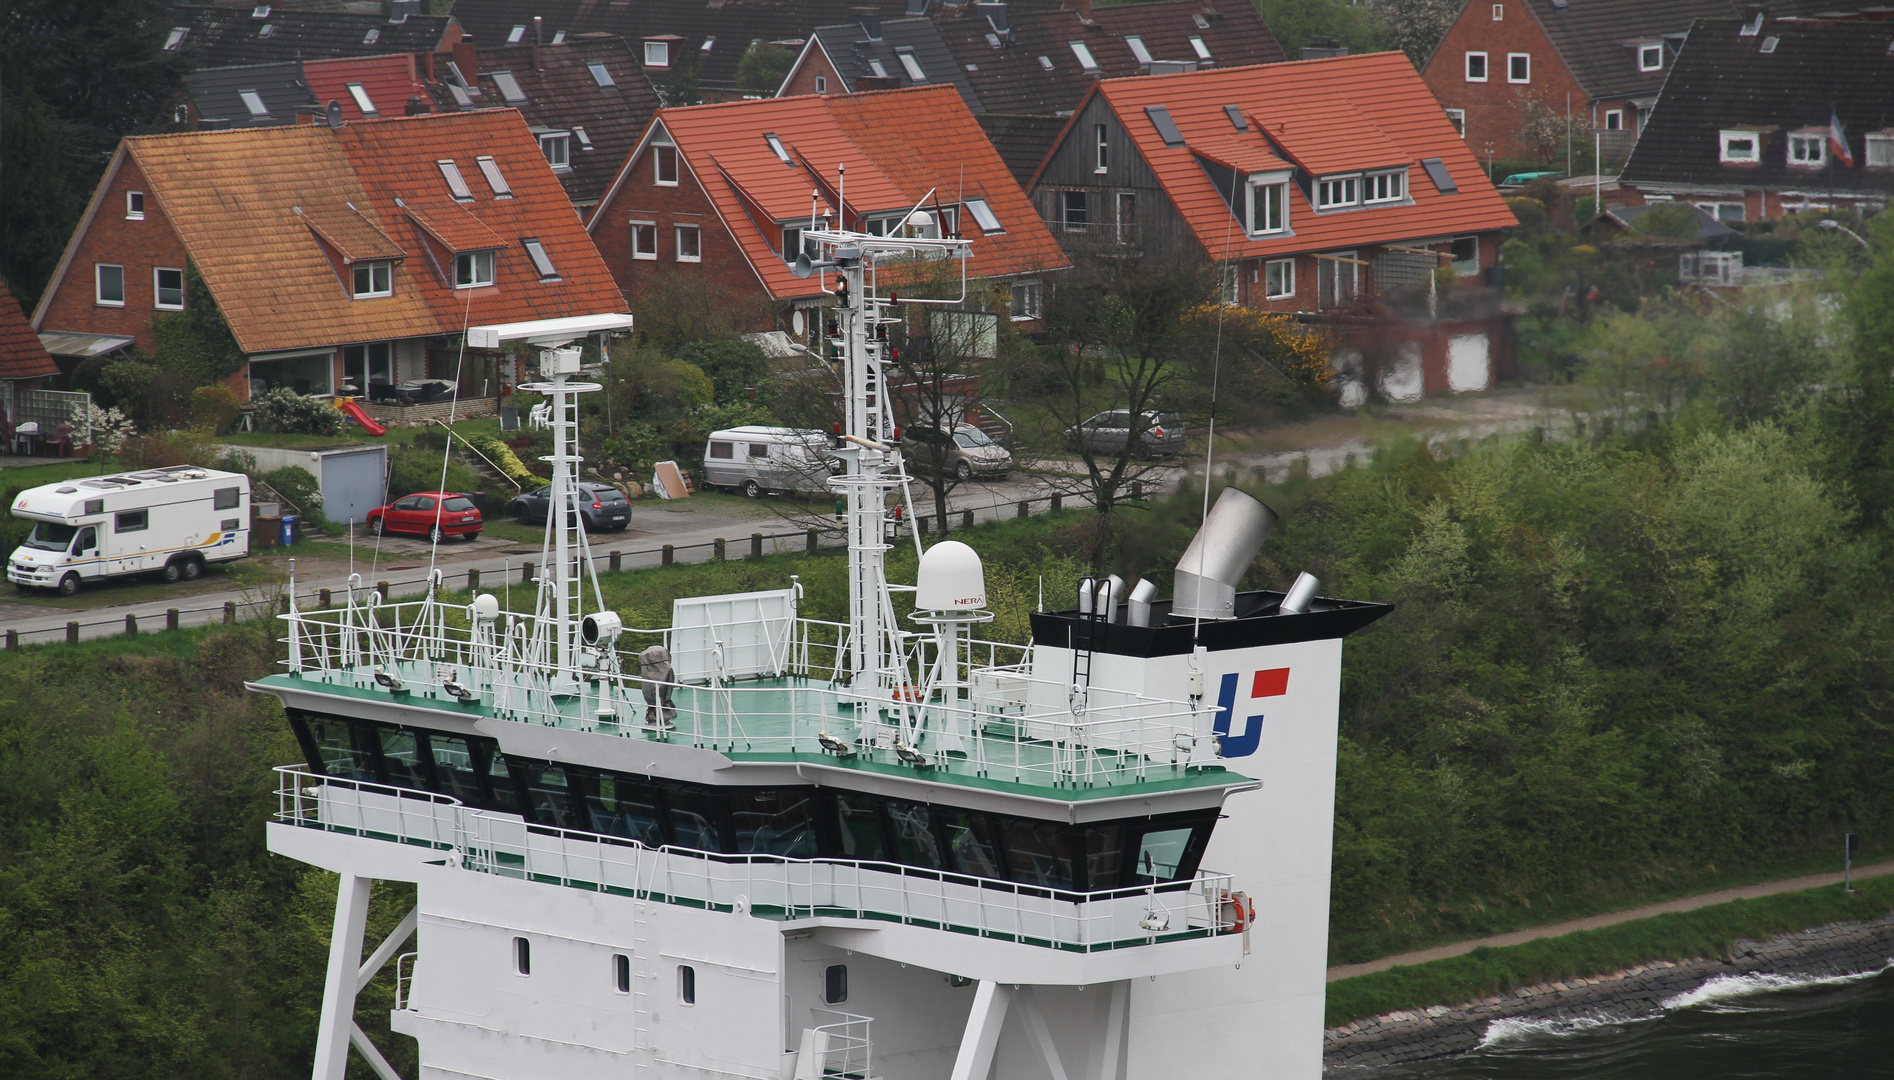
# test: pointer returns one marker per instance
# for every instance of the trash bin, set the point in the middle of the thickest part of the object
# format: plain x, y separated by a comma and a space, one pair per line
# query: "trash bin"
289, 529
267, 531
479, 499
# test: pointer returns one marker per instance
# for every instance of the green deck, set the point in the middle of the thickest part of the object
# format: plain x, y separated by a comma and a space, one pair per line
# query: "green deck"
768, 706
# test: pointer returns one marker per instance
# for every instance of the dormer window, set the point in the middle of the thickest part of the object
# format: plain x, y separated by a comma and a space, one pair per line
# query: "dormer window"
1387, 186
1880, 149
375, 278
1084, 55
1335, 192
657, 54
1650, 58
473, 269
1808, 149
557, 146
1741, 147
1268, 204
1136, 43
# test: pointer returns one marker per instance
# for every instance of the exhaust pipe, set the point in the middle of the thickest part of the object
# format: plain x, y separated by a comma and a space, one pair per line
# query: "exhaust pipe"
1218, 556
1110, 592
1138, 608
1296, 601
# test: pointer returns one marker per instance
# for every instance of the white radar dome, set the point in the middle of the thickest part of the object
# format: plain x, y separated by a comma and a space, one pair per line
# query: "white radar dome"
950, 579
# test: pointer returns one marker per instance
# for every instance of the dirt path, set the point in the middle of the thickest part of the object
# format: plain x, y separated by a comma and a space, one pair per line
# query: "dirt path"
1683, 903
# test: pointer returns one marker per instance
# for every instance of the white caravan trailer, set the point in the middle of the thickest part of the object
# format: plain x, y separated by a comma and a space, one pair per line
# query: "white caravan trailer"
170, 521
762, 459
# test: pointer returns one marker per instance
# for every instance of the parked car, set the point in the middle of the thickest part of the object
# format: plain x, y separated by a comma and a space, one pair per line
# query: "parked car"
601, 507
433, 514
1110, 432
964, 453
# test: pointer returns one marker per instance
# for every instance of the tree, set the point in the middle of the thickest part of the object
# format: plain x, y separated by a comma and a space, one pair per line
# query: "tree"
938, 369
1297, 23
680, 85
1415, 26
734, 366
762, 67
38, 205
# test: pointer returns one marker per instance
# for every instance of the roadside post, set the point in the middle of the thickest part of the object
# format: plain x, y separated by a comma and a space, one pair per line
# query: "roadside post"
1850, 843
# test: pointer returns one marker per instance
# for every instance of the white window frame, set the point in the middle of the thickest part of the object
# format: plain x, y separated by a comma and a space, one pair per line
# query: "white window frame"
475, 261
98, 284
134, 206
1197, 46
659, 49
1027, 300
659, 151
1083, 221
1486, 69
1458, 118
1614, 119
1499, 12
641, 255
496, 180
1087, 61
776, 147
1338, 192
175, 39
875, 66
510, 91
697, 234
516, 35
601, 74
1513, 59
1138, 52
910, 65
362, 100
821, 84
1394, 180
1727, 156
456, 183
1101, 163
560, 141
1284, 287
1645, 60
984, 216
157, 292
1812, 145
382, 268
1258, 182
253, 101
1879, 151
542, 262
585, 141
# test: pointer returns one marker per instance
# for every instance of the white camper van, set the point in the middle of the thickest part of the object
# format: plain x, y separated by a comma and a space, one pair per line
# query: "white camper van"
169, 521
756, 460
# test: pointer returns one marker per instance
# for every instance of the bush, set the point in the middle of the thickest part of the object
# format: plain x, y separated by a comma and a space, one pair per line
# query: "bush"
300, 487
284, 410
216, 408
733, 366
162, 448
502, 458
411, 470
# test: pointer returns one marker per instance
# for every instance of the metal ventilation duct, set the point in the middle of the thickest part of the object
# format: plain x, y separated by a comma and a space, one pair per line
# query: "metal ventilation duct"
1218, 556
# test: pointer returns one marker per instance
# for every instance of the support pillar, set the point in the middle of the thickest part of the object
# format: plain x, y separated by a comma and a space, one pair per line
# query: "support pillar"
337, 1019
1041, 1032
1108, 1055
982, 1036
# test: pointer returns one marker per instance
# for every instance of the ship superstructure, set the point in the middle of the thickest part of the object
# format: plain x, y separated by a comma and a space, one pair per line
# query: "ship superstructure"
755, 844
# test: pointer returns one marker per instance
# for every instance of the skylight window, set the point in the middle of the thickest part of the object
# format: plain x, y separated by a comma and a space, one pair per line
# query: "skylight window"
1753, 26
175, 39
600, 75
253, 102
993, 40
266, 30
455, 183
537, 252
1160, 118
509, 87
516, 35
262, 11
1084, 54
373, 35
983, 216
1046, 62
1236, 118
585, 141
910, 65
776, 147
708, 42
875, 66
1137, 48
1197, 46
459, 94
490, 169
362, 101
559, 38
1437, 172
1769, 44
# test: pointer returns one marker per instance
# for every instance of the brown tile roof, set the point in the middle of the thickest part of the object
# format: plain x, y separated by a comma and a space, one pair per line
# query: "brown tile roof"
1392, 119
254, 209
896, 144
388, 82
21, 354
232, 196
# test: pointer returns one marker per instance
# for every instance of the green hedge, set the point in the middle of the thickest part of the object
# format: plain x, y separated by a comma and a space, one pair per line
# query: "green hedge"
502, 457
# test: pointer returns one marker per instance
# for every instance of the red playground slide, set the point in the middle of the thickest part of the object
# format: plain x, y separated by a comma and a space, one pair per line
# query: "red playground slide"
359, 415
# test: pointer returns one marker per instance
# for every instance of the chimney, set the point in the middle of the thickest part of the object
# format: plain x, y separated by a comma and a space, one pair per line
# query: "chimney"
995, 15
467, 59
538, 26
417, 106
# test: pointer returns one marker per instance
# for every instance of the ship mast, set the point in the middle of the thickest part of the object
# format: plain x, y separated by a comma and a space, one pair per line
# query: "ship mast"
872, 459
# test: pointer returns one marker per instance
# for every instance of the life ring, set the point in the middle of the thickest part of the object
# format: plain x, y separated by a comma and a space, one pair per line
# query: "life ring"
907, 693
1238, 910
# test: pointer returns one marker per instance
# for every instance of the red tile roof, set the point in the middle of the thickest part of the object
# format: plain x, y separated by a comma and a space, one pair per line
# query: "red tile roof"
21, 354
897, 145
389, 81
1333, 115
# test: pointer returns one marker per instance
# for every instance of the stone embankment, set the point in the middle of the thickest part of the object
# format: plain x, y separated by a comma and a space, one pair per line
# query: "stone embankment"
1440, 1031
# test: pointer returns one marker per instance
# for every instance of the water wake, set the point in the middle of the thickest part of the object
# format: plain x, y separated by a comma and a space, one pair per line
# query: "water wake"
1729, 987
1509, 1029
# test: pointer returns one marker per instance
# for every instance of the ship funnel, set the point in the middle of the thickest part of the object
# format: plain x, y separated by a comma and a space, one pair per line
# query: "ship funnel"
1296, 601
1218, 556
1138, 608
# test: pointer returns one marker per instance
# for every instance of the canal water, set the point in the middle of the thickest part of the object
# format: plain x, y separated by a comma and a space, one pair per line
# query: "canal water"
1753, 1027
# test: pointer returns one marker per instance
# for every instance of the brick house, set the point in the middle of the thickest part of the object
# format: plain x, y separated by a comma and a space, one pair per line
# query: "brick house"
1509, 68
342, 255
1317, 183
1743, 127
718, 195
24, 363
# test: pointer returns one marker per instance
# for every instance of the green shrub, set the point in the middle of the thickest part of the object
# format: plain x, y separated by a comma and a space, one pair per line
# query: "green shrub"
413, 469
502, 458
216, 408
299, 486
284, 410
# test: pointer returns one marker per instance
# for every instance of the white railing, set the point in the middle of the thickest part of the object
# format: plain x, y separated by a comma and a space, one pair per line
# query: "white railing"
404, 979
504, 845
416, 651
841, 1048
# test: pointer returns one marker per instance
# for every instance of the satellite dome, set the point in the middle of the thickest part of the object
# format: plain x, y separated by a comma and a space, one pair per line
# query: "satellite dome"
950, 579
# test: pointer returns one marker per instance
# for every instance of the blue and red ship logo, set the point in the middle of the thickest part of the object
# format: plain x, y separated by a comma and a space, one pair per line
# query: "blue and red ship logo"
1268, 683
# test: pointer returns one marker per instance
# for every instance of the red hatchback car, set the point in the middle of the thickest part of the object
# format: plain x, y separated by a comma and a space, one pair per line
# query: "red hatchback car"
425, 512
